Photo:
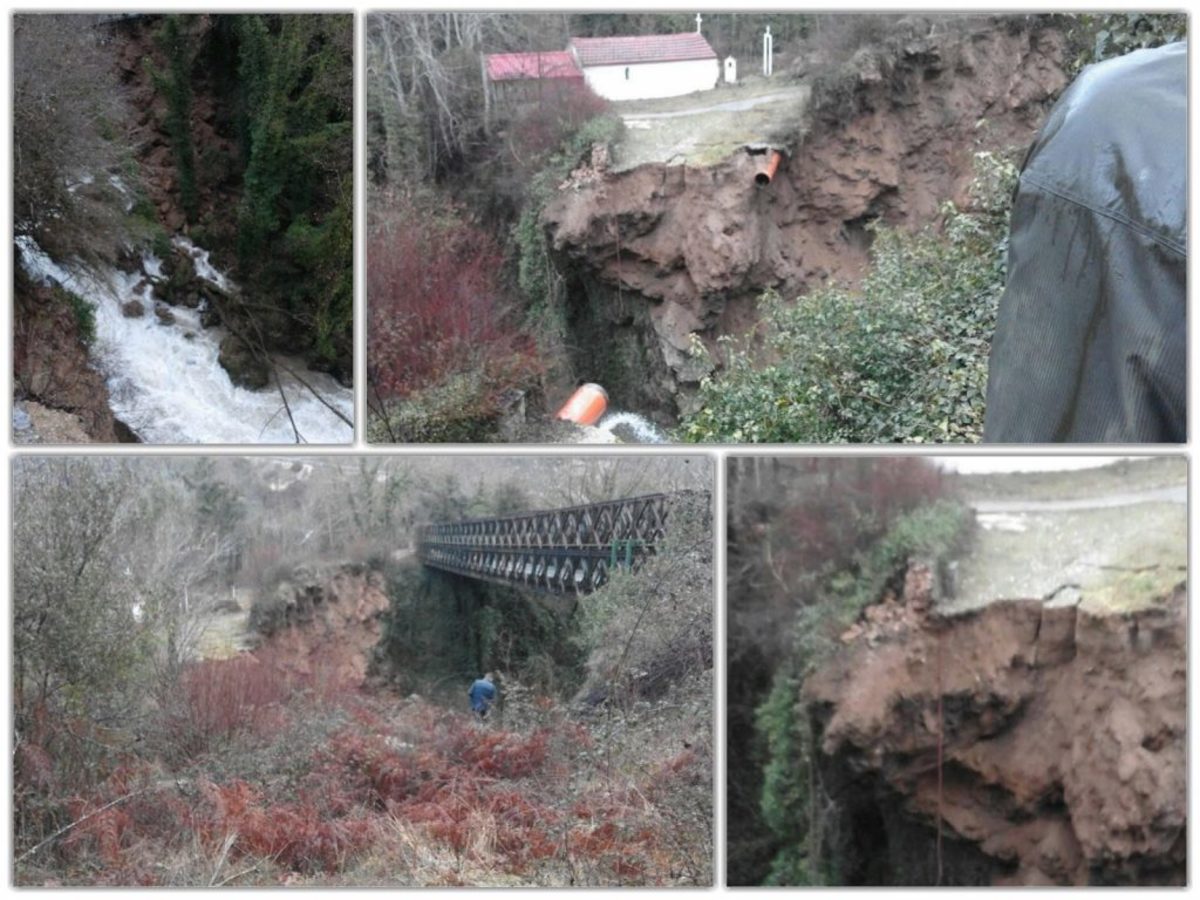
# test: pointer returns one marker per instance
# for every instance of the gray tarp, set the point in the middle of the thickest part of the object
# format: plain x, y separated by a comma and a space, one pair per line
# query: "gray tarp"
1091, 339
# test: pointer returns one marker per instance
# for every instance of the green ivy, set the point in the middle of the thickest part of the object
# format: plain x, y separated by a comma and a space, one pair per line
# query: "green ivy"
785, 786
177, 86
537, 276
902, 358
1115, 34
936, 531
83, 312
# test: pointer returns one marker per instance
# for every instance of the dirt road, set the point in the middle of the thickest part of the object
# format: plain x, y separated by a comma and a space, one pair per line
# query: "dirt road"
1118, 551
728, 106
1175, 494
704, 128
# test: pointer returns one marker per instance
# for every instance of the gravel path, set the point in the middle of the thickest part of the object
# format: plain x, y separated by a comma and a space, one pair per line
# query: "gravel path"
727, 106
702, 129
1175, 494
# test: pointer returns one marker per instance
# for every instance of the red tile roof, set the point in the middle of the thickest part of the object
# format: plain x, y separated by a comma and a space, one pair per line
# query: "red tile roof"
521, 66
650, 48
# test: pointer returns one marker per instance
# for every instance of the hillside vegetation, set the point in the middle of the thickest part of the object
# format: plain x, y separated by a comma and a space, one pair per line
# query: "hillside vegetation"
170, 139
337, 748
481, 312
902, 354
875, 264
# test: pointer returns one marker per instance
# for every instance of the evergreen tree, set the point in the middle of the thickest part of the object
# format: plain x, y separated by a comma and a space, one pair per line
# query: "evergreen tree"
176, 84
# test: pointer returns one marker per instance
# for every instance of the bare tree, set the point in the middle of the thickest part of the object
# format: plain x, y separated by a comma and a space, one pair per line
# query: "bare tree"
69, 125
76, 639
423, 77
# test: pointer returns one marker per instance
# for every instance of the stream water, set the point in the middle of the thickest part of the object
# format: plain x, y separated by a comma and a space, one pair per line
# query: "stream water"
164, 381
634, 428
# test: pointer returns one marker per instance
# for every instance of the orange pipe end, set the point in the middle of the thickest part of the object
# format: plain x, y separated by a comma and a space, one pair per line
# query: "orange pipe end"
767, 172
585, 406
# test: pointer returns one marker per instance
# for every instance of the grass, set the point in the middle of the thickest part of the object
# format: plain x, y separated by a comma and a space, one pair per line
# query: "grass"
82, 311
1130, 592
1143, 576
356, 789
707, 138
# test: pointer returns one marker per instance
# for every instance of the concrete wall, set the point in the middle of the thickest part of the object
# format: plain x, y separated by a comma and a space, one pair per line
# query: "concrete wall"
647, 80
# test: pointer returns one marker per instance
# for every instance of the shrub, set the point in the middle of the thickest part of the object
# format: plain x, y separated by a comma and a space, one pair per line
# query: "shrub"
933, 531
462, 409
1106, 35
652, 626
218, 698
298, 836
544, 126
793, 801
410, 796
83, 312
903, 358
538, 279
440, 323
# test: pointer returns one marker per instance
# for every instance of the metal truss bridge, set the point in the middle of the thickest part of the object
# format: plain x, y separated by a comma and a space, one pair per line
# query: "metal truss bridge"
568, 551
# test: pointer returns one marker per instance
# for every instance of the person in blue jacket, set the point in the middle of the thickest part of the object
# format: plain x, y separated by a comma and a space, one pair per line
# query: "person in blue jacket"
482, 695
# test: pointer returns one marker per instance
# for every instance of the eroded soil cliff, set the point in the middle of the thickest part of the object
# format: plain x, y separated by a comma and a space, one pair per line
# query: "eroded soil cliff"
65, 397
1061, 732
325, 622
141, 58
663, 251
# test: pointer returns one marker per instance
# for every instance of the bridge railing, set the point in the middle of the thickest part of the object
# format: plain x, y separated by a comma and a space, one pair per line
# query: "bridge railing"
571, 550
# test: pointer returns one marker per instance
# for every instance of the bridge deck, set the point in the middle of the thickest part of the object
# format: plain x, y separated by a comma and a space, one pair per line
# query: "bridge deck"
571, 550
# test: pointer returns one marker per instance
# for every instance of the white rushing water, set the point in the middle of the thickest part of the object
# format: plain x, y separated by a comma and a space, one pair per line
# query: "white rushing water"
164, 381
642, 429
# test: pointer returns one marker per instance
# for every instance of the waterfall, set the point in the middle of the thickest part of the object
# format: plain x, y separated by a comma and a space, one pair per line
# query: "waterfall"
642, 430
164, 381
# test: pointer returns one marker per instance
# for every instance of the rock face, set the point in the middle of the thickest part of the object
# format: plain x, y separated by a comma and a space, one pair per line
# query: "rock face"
215, 147
245, 367
667, 252
1063, 741
51, 366
323, 621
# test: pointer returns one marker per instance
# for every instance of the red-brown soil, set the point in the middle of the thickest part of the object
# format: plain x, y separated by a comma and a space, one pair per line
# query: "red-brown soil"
326, 623
139, 57
51, 364
1062, 731
674, 250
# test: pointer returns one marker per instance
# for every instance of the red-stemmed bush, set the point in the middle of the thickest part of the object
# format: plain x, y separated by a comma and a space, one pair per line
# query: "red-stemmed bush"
216, 698
542, 125
498, 800
847, 504
436, 301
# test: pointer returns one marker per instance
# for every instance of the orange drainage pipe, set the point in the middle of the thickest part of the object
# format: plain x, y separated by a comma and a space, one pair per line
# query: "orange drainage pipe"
585, 406
764, 175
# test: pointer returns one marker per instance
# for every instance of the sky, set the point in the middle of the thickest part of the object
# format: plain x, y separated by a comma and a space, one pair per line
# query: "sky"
1022, 463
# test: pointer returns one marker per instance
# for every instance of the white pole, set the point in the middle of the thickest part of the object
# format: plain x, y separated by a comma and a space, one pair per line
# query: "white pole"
699, 19
487, 95
768, 50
